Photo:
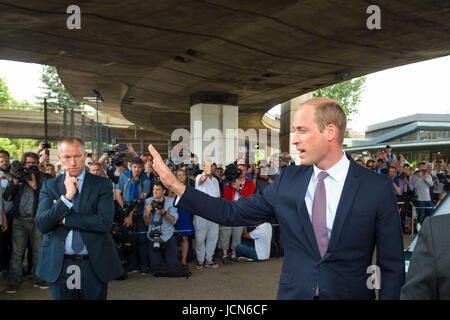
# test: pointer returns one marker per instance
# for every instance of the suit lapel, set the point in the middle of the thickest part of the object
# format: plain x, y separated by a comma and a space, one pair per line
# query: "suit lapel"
349, 191
303, 211
61, 188
84, 190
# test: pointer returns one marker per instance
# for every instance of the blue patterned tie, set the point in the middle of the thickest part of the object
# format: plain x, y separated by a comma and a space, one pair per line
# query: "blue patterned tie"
77, 241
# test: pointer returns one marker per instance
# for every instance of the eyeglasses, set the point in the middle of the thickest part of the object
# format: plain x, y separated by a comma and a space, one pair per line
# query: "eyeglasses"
31, 162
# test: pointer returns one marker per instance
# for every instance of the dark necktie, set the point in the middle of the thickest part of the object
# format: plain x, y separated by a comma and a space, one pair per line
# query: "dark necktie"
77, 241
319, 214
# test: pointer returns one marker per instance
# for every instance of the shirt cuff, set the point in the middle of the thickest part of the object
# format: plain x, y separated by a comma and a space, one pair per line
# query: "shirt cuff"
66, 202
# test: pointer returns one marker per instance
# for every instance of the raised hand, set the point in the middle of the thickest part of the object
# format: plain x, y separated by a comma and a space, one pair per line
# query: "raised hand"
71, 184
166, 176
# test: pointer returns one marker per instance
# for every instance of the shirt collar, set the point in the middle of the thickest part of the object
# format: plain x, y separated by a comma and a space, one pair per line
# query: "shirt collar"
80, 177
338, 172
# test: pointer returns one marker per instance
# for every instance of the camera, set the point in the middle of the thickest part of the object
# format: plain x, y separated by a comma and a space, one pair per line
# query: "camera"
18, 171
46, 145
232, 172
401, 175
137, 205
116, 157
157, 205
158, 243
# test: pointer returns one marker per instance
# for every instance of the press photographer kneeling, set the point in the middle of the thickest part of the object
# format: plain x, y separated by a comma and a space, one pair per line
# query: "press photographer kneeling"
160, 216
132, 188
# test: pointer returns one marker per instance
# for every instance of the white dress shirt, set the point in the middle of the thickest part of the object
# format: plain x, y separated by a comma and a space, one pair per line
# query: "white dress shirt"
334, 183
68, 245
210, 186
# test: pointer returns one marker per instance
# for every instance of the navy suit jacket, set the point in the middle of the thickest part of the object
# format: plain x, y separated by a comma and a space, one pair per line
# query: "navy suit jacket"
94, 220
367, 216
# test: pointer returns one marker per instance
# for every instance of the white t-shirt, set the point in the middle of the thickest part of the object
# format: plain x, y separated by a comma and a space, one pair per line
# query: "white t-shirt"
209, 186
262, 236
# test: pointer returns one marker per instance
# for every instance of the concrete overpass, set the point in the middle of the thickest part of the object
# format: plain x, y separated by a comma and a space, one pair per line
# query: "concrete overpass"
152, 61
28, 123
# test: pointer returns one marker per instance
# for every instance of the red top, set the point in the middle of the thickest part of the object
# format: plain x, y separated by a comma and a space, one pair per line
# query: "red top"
247, 190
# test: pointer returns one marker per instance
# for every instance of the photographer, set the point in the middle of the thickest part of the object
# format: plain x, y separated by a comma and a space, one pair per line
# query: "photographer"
262, 177
440, 175
160, 217
5, 237
241, 187
422, 182
132, 188
404, 182
23, 191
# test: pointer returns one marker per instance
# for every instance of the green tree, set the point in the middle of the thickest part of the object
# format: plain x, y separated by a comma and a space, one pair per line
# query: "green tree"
347, 94
54, 90
15, 146
5, 97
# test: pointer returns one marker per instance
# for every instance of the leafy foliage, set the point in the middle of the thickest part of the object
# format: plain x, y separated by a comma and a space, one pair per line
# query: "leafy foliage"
347, 94
55, 92
5, 97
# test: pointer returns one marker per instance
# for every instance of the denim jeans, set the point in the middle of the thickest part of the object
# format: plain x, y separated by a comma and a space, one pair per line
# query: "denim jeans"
23, 231
247, 249
424, 213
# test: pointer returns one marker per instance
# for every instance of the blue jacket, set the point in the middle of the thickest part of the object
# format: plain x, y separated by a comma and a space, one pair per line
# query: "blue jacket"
94, 220
367, 216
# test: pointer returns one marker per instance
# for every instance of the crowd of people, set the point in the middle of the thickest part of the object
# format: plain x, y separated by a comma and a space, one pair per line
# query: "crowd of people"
149, 230
424, 186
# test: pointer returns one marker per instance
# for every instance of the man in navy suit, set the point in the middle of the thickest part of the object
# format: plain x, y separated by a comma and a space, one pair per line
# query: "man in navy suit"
332, 213
78, 256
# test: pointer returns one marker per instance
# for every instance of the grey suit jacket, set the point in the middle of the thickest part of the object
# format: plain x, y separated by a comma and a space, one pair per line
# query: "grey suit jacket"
429, 271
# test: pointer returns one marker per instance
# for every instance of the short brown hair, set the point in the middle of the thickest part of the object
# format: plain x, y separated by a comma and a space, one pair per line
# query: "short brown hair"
327, 112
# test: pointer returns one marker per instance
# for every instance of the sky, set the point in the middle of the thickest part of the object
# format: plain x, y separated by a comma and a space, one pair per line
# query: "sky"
415, 88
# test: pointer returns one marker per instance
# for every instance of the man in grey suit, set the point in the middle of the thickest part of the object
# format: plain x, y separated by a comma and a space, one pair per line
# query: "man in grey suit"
78, 256
428, 276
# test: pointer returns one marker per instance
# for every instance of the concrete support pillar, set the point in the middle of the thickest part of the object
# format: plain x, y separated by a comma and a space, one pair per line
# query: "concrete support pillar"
214, 127
288, 110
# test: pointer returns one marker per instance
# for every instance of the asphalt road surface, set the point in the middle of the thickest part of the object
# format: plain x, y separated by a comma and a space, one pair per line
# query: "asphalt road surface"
244, 280
238, 281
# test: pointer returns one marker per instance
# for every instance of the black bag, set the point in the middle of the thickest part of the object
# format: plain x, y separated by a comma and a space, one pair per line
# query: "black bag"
172, 270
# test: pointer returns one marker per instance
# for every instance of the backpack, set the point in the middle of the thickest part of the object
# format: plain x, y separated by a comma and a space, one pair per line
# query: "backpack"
172, 270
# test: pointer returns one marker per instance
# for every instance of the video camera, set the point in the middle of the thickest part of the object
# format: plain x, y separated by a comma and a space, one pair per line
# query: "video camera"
232, 172
21, 173
444, 177
116, 155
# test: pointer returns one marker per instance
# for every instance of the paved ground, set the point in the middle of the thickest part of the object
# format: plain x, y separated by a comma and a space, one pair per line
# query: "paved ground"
259, 281
239, 281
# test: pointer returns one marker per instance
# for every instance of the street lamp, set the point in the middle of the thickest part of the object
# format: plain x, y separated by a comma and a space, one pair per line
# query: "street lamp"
97, 97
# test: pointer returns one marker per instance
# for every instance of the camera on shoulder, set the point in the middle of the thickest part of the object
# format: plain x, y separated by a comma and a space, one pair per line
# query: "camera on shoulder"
232, 172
